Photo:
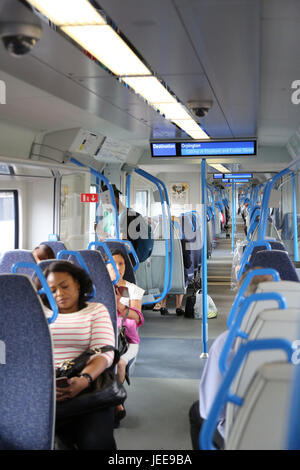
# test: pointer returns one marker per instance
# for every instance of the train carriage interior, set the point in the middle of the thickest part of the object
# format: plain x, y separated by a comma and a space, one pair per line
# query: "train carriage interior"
186, 113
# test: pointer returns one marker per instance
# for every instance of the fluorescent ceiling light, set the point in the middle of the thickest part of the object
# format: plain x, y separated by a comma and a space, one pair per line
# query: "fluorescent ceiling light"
68, 12
173, 110
85, 25
219, 167
109, 48
198, 134
191, 128
151, 89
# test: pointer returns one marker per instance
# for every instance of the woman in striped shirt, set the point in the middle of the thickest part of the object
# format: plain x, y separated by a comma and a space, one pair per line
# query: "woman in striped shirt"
80, 326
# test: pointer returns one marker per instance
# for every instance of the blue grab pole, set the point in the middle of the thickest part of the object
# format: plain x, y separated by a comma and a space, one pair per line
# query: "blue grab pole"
295, 228
169, 262
232, 219
204, 257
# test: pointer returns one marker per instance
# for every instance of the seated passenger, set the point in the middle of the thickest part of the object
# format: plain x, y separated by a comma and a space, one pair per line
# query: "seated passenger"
43, 252
134, 318
212, 378
80, 326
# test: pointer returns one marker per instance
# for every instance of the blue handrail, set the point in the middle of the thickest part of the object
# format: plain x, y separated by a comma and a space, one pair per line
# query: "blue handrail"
265, 201
234, 329
177, 227
252, 227
240, 295
224, 395
111, 260
45, 288
168, 274
129, 249
61, 254
248, 250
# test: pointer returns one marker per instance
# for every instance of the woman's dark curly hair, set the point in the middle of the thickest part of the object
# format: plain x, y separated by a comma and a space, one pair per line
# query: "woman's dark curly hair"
77, 273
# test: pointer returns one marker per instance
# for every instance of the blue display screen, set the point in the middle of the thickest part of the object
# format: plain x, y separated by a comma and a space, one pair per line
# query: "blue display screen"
164, 150
203, 149
226, 180
218, 176
218, 148
238, 175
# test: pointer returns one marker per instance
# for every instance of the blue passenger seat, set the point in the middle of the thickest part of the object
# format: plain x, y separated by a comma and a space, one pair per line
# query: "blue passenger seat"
27, 387
274, 246
9, 258
278, 260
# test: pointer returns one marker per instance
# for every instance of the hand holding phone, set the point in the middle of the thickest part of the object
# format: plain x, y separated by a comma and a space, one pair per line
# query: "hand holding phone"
122, 291
62, 382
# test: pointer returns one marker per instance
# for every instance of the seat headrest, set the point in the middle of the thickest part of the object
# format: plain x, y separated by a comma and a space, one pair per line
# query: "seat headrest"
274, 246
278, 260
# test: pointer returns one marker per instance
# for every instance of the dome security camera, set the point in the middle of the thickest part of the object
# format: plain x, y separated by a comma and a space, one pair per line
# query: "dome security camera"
200, 108
20, 28
19, 39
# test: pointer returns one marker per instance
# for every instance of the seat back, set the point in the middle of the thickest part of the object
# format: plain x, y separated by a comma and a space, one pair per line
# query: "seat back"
275, 245
288, 289
178, 279
151, 275
278, 260
189, 238
9, 258
271, 323
27, 386
260, 422
105, 293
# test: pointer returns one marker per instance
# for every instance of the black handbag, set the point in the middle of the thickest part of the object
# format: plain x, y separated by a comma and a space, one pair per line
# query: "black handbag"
105, 392
123, 344
189, 306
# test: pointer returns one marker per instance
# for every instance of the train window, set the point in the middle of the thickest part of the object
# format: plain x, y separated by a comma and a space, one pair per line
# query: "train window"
142, 202
93, 210
74, 214
9, 220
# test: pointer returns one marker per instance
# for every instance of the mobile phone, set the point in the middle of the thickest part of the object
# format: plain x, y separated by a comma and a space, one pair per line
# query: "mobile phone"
62, 382
123, 291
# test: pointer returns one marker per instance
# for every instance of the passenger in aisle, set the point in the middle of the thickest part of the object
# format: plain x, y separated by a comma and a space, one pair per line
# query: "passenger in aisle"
132, 227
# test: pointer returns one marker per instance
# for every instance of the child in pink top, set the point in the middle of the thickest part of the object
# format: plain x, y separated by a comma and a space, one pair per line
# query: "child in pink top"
133, 320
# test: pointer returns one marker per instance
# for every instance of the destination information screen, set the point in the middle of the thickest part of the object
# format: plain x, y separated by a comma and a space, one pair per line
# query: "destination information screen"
203, 149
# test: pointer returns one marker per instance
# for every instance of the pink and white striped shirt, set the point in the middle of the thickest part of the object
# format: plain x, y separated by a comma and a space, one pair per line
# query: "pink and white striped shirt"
74, 333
